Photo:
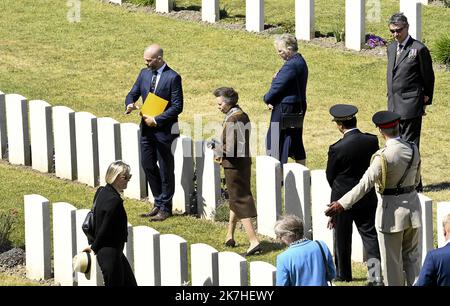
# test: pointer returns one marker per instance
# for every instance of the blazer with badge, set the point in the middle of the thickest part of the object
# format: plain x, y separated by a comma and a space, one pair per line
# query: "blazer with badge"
394, 213
348, 159
409, 79
111, 224
436, 268
169, 88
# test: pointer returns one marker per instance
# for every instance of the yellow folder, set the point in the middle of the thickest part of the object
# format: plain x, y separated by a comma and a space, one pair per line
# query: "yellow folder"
153, 105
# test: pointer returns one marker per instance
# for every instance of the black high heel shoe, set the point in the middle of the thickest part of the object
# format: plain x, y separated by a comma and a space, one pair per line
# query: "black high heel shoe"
256, 249
230, 243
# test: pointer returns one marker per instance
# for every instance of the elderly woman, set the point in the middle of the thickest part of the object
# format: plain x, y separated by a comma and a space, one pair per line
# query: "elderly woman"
234, 155
287, 95
305, 262
111, 227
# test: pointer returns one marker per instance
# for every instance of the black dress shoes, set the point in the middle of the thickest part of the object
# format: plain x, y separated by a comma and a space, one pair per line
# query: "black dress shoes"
230, 243
256, 249
160, 216
151, 213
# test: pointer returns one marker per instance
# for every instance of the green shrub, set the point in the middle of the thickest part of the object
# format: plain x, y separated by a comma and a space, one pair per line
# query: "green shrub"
7, 220
442, 50
446, 3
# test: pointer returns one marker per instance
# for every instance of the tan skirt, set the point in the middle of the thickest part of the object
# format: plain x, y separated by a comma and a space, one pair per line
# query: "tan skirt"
240, 195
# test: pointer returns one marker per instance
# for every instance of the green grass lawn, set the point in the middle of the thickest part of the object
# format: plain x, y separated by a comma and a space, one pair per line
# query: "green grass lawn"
91, 65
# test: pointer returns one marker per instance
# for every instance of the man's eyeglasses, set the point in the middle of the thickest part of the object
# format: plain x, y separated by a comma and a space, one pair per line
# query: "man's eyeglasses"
396, 30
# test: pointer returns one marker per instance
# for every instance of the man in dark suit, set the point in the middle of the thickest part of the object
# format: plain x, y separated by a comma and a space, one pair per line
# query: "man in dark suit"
158, 133
348, 159
410, 78
436, 267
287, 95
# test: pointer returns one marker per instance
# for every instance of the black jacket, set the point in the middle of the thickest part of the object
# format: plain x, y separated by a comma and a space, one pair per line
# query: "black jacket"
348, 159
111, 224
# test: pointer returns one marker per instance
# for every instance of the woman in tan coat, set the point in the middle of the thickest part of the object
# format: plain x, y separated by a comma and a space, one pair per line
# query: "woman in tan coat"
234, 155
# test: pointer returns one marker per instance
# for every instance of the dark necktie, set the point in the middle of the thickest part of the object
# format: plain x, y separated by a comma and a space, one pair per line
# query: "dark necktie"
153, 84
399, 51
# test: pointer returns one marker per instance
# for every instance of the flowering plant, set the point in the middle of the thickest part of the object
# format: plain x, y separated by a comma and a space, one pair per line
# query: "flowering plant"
373, 41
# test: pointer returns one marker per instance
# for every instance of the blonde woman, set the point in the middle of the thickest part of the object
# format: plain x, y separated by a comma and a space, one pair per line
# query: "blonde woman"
111, 227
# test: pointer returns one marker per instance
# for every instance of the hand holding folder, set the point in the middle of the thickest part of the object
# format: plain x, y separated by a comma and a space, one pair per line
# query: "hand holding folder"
153, 105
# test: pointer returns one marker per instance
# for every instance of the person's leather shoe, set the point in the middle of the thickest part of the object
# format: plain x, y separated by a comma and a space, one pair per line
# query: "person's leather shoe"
256, 249
231, 243
151, 213
160, 216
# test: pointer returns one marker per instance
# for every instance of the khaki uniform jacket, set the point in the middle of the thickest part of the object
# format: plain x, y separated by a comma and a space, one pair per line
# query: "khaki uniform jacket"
394, 213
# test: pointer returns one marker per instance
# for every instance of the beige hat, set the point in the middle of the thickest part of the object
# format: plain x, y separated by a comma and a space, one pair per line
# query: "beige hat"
82, 263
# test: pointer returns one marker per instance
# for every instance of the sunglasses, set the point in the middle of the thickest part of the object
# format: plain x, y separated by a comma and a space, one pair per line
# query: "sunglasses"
396, 30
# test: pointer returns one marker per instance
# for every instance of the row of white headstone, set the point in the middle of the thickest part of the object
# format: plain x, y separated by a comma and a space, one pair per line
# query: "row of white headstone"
157, 260
83, 146
355, 17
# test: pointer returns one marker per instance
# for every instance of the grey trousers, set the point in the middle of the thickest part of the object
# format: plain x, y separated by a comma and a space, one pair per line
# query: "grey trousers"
400, 254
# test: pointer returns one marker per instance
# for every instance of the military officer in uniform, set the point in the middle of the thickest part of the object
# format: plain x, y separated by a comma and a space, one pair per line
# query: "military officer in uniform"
348, 159
395, 170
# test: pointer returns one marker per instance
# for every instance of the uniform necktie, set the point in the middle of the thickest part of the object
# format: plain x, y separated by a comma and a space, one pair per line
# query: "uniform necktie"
153, 84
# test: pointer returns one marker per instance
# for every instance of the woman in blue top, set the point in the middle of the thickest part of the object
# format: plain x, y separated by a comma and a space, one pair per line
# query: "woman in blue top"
302, 264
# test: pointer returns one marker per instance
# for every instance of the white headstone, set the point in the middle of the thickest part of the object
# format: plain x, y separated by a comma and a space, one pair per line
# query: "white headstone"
128, 249
297, 194
37, 236
442, 209
116, 1
413, 11
262, 274
208, 181
95, 275
254, 15
426, 231
184, 174
232, 269
147, 267
357, 246
41, 135
354, 24
3, 138
210, 10
108, 131
268, 194
64, 243
87, 148
131, 154
204, 265
164, 6
174, 263
320, 197
424, 2
304, 19
17, 130
64, 140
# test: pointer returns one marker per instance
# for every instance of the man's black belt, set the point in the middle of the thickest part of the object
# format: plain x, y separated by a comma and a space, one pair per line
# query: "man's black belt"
397, 191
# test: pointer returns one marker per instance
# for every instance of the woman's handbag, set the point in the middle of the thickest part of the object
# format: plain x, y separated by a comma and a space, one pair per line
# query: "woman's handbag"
327, 276
88, 225
291, 120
